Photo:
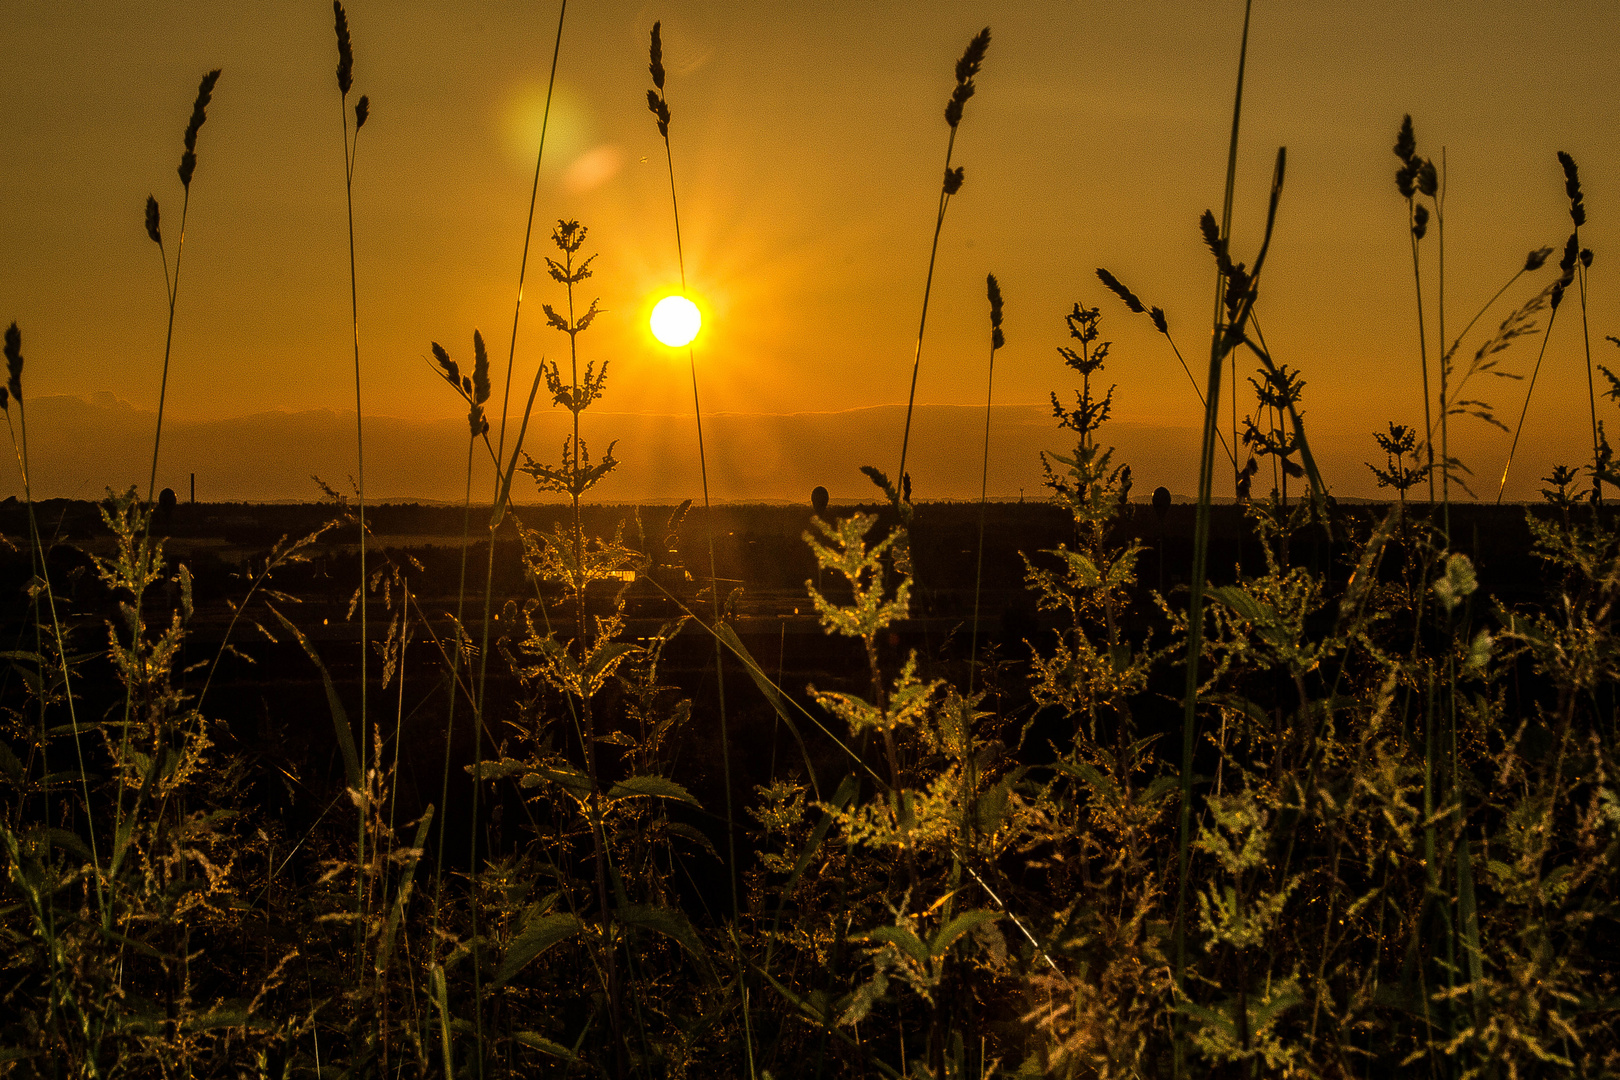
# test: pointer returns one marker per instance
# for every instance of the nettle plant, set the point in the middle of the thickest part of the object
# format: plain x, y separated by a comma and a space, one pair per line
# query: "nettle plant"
939, 806
584, 689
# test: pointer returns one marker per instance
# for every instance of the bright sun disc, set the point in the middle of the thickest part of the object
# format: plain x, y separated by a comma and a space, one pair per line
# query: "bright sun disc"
675, 321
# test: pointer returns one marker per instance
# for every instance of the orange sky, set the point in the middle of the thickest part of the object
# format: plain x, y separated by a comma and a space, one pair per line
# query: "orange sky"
808, 142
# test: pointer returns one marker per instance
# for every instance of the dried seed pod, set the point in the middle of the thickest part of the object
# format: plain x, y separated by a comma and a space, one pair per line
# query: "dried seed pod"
152, 229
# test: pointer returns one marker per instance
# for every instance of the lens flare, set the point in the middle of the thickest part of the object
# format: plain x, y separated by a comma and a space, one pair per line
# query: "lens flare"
675, 321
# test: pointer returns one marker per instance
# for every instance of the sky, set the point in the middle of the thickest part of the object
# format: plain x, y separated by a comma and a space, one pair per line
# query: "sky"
808, 142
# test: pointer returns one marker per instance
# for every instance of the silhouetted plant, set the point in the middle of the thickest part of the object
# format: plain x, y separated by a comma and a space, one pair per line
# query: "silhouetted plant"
1399, 444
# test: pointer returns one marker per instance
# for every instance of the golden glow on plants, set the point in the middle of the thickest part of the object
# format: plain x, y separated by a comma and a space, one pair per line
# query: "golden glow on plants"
675, 321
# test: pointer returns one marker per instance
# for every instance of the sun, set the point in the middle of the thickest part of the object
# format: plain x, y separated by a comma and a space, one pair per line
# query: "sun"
675, 321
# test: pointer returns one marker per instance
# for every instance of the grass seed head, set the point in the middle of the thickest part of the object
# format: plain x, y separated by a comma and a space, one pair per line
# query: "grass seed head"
1420, 220
345, 68
1537, 259
199, 113
659, 109
451, 371
1572, 188
480, 380
1428, 180
1567, 263
1406, 141
1120, 291
14, 361
362, 109
1159, 323
1586, 257
1212, 234
657, 57
1406, 178
966, 69
152, 229
993, 287
953, 180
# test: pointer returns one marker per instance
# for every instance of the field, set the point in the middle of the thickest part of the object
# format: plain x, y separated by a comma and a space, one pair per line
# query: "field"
1096, 785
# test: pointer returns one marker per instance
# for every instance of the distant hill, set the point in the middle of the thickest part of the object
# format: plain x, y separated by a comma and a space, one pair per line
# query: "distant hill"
80, 447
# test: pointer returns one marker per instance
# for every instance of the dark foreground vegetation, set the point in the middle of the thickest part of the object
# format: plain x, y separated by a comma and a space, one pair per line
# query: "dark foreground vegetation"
1080, 790
1403, 849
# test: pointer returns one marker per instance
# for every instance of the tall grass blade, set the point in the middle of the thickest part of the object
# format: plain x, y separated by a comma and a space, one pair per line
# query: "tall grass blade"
658, 103
967, 69
1195, 604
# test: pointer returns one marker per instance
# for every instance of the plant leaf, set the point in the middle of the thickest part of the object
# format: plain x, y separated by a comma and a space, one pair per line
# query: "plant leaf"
657, 787
538, 935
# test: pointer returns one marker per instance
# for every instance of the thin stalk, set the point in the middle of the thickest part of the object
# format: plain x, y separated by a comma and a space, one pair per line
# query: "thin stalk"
922, 321
984, 487
966, 69
584, 721
503, 490
1195, 613
399, 673
1445, 359
1423, 345
1525, 409
528, 232
714, 579
171, 289
1591, 390
37, 551
450, 723
171, 286
349, 153
1225, 447
1226, 231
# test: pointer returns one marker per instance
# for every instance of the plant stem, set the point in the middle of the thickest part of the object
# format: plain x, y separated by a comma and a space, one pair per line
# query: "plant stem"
714, 596
1195, 607
360, 460
450, 723
1445, 358
528, 231
1423, 347
984, 487
922, 322
1525, 409
1591, 390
